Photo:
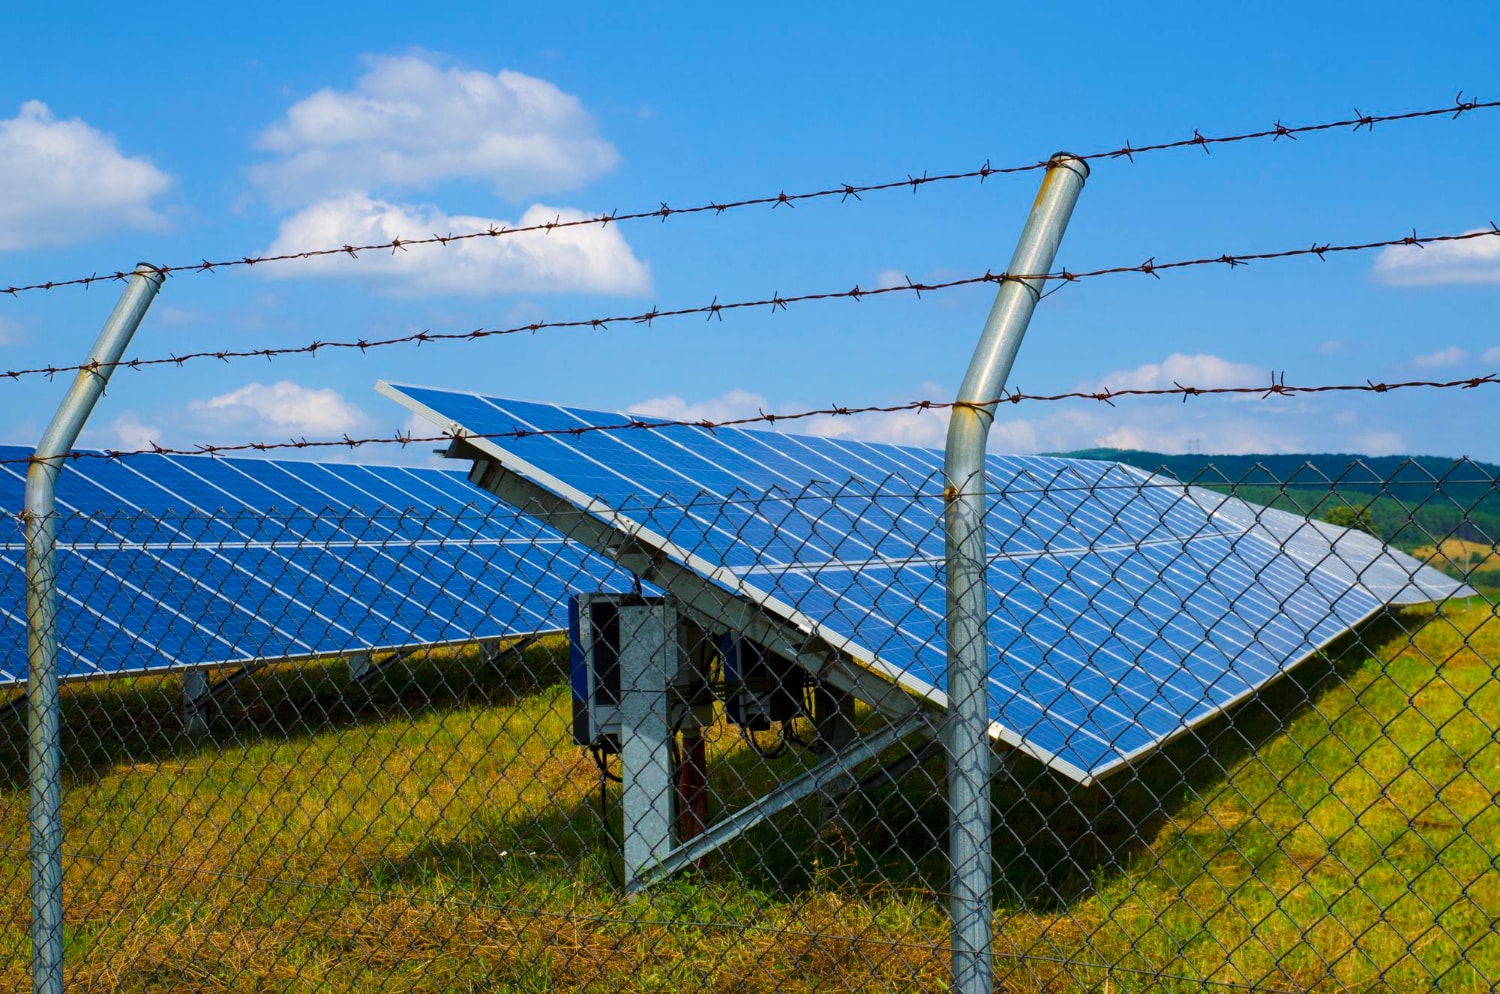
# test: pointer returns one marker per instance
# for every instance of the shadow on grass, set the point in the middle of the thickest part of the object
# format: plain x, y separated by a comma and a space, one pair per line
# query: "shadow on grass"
139, 720
1053, 841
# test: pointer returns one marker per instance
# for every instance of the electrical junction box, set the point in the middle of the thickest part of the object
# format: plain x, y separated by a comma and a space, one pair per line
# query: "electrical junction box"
596, 638
760, 687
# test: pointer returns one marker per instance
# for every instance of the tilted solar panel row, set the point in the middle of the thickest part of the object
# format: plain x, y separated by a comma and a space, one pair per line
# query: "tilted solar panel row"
1125, 608
191, 561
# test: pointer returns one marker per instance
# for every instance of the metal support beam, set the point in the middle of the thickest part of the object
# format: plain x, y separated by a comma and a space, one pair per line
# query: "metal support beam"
359, 665
363, 669
198, 691
968, 720
16, 705
494, 651
836, 729
43, 723
826, 775
648, 661
708, 604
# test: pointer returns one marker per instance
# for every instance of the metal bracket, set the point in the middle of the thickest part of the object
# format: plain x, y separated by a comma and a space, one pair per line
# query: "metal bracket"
198, 691
363, 670
823, 776
493, 651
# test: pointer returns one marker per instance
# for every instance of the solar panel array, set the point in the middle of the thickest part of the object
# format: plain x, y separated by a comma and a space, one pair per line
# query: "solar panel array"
1125, 608
184, 561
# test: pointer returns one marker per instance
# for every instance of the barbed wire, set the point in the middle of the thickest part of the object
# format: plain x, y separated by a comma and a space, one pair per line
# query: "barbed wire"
843, 191
715, 309
1278, 387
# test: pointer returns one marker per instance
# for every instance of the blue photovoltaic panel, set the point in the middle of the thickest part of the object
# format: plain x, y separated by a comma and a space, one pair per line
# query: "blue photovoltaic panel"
1125, 608
190, 561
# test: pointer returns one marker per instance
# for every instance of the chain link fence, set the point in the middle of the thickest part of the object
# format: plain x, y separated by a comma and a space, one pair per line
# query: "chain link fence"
423, 752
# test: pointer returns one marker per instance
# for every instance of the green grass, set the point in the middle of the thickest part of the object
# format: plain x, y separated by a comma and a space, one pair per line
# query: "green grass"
439, 833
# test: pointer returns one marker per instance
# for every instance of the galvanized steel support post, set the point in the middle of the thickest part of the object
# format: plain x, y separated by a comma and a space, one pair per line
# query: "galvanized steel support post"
44, 726
968, 719
648, 662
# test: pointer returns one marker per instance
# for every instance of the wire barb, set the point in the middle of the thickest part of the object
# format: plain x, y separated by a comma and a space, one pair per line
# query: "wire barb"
1278, 387
843, 191
776, 301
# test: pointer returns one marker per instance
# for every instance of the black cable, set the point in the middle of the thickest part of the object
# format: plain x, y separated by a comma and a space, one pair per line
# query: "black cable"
760, 750
601, 760
605, 778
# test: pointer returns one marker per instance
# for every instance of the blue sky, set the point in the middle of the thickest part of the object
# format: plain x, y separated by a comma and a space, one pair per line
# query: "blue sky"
179, 134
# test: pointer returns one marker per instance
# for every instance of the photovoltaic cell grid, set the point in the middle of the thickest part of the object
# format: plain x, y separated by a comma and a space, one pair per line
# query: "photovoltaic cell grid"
190, 561
1125, 608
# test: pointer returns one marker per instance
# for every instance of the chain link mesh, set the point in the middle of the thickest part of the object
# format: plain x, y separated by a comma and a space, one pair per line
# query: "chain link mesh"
366, 803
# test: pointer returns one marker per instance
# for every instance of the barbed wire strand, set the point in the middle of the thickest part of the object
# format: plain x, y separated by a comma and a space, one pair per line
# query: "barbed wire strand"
844, 191
715, 309
1278, 387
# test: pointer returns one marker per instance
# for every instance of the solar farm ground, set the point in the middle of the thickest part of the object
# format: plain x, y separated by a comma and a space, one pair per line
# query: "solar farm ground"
411, 839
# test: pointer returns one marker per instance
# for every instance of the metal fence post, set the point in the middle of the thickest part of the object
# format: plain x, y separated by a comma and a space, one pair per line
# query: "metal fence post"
968, 720
43, 725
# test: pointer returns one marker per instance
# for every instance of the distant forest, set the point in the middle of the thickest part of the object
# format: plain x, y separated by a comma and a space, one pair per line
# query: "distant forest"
1413, 501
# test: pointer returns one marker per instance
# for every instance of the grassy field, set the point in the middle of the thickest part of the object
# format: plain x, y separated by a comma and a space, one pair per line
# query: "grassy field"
1476, 562
1341, 831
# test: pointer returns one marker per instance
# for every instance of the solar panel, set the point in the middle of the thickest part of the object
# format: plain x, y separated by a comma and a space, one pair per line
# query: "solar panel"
191, 561
1125, 608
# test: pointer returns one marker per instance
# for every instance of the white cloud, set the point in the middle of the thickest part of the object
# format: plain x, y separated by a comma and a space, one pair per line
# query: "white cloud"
1474, 261
1206, 425
926, 428
1451, 356
62, 182
133, 434
591, 258
1201, 370
1334, 346
1491, 354
1154, 426
11, 332
409, 123
1381, 443
283, 408
734, 404
175, 317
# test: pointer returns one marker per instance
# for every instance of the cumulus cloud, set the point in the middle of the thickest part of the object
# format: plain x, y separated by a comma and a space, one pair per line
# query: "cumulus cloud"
132, 433
734, 404
926, 428
1201, 370
409, 123
590, 258
283, 408
62, 182
1163, 425
1474, 261
1491, 354
1451, 356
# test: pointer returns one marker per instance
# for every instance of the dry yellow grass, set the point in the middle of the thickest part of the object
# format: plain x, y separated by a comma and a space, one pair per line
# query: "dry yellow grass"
1342, 832
1460, 554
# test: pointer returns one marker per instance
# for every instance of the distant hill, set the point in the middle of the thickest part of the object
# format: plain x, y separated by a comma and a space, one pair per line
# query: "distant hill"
1415, 501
